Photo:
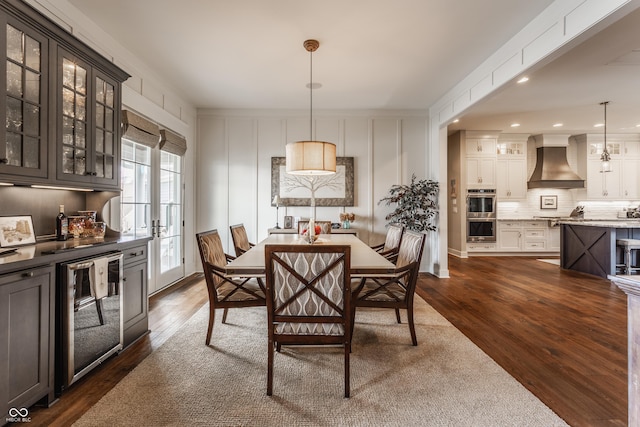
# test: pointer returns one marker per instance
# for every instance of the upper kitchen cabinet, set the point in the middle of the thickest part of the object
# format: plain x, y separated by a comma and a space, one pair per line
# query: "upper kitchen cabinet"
23, 141
62, 106
481, 147
511, 168
88, 149
622, 182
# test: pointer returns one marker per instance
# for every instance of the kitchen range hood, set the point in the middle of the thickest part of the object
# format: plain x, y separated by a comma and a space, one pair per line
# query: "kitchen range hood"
552, 168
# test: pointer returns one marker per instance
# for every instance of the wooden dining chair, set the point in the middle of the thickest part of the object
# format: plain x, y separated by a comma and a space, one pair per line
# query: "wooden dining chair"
396, 291
225, 292
325, 226
389, 249
308, 299
241, 242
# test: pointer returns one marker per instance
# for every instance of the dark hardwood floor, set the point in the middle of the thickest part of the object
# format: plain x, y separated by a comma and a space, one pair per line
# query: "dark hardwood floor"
561, 334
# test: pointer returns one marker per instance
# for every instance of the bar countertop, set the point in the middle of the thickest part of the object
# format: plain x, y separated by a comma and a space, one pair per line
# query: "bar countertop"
53, 251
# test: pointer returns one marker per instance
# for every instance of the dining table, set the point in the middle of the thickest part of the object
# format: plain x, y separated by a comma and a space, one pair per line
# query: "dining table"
365, 262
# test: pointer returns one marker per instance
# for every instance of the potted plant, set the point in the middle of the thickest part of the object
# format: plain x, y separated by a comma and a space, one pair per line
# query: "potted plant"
416, 204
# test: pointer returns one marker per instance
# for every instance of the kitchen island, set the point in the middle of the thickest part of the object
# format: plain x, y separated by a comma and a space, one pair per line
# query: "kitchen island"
589, 246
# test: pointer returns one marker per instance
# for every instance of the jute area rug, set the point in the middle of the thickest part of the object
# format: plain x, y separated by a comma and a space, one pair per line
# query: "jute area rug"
445, 381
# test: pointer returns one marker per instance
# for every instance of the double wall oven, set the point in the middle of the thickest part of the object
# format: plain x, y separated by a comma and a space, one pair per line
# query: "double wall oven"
481, 215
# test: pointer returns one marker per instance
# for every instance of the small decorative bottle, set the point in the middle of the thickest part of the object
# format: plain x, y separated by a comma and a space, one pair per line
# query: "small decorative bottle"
62, 225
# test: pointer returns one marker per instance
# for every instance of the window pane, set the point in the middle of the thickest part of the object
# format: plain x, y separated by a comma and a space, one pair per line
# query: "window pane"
31, 120
14, 44
127, 179
32, 87
14, 80
127, 150
32, 53
31, 152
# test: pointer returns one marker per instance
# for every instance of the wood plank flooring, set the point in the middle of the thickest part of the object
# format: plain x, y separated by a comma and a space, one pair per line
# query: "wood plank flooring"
560, 333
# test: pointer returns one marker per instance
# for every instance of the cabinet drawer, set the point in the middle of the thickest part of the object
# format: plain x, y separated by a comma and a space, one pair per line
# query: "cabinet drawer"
536, 224
534, 233
135, 254
509, 224
481, 247
535, 245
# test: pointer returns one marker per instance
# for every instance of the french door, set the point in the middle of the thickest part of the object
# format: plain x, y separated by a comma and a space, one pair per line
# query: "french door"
151, 205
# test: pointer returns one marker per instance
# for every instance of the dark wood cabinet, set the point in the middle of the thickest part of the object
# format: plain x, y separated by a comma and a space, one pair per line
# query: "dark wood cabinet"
27, 305
135, 301
61, 101
88, 126
24, 103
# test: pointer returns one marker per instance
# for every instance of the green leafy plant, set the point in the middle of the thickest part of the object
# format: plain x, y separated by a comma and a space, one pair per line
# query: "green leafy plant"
416, 204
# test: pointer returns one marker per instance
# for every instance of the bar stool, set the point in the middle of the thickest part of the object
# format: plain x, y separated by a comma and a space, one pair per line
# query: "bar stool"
628, 245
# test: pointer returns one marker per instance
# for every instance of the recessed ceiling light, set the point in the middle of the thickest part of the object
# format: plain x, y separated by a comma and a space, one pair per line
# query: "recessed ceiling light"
598, 125
457, 120
638, 125
523, 79
515, 125
557, 125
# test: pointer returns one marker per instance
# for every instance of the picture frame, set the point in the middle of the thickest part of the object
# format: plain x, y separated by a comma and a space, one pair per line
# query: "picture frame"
548, 202
331, 190
16, 231
288, 222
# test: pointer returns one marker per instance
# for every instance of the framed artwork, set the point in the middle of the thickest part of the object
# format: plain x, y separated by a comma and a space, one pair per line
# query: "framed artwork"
288, 221
16, 231
329, 190
548, 202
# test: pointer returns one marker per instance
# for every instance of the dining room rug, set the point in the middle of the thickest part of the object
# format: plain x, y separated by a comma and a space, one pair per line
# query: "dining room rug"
445, 381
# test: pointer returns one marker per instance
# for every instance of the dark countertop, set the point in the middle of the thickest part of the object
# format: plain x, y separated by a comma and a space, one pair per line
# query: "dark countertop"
53, 251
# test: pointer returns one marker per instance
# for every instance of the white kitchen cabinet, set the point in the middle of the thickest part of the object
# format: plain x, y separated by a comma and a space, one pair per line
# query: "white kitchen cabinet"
511, 179
509, 236
507, 149
527, 236
604, 185
631, 173
484, 147
553, 239
535, 236
481, 172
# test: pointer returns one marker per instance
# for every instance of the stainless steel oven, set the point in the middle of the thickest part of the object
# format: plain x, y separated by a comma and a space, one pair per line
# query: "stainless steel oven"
89, 323
481, 229
481, 215
481, 203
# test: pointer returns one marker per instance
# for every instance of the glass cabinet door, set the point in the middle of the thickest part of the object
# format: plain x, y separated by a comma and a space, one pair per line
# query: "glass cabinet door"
23, 146
74, 118
105, 126
89, 128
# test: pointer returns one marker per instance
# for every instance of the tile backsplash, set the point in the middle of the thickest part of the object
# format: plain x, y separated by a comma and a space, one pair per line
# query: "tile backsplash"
567, 201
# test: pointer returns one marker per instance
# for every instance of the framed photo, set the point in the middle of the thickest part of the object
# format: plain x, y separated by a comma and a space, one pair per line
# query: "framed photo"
16, 231
548, 202
288, 221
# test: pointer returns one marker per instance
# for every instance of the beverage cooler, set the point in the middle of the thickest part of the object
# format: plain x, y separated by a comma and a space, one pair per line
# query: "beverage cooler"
89, 323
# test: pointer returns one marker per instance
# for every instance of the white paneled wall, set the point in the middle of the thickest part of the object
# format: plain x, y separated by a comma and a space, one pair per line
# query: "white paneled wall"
234, 165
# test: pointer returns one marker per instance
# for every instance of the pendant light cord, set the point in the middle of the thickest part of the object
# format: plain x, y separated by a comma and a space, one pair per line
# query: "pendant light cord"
311, 95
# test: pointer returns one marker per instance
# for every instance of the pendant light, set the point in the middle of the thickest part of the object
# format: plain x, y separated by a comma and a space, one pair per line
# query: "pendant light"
605, 158
311, 157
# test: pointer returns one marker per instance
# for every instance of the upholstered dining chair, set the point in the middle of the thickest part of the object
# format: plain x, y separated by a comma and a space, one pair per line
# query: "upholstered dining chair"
225, 292
241, 242
325, 226
389, 249
308, 299
398, 290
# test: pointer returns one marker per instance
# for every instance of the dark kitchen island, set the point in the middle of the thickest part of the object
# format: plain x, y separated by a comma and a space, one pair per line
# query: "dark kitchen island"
589, 246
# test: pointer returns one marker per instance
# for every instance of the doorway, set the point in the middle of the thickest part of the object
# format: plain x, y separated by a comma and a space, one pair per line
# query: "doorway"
151, 206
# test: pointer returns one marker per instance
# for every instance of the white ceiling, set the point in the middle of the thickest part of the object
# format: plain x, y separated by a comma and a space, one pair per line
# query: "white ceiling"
374, 54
